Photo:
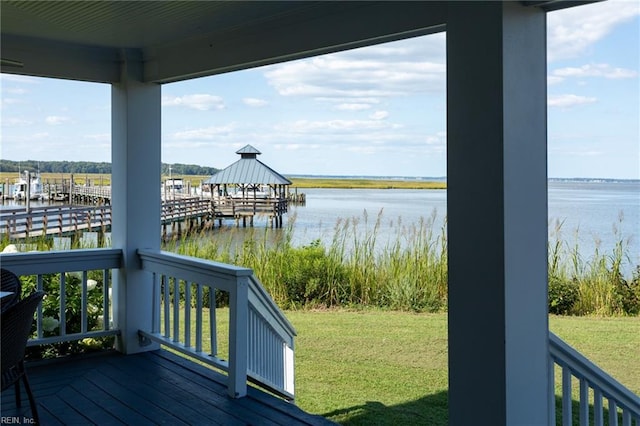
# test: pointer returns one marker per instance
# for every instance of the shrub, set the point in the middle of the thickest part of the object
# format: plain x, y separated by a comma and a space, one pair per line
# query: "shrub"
563, 294
51, 315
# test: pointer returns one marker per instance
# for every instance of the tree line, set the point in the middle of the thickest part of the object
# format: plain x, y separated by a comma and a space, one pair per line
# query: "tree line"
90, 167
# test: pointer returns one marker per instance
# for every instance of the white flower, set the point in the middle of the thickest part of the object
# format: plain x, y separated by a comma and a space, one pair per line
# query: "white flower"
50, 323
91, 284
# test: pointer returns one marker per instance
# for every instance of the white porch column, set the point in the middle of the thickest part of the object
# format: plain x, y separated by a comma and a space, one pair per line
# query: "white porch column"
135, 183
497, 214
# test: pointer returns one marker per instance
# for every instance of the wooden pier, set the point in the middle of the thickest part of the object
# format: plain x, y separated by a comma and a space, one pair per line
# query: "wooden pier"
178, 215
21, 223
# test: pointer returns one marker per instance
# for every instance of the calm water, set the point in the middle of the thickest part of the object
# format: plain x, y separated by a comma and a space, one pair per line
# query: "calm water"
591, 214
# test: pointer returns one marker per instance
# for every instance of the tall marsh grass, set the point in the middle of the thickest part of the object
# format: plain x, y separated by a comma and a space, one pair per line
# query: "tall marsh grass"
357, 268
595, 285
407, 271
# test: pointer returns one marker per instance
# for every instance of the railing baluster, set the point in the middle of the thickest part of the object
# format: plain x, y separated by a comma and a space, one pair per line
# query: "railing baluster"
198, 317
83, 309
551, 392
176, 309
566, 396
613, 412
212, 321
187, 314
167, 311
106, 303
155, 310
584, 402
39, 287
598, 413
626, 417
63, 304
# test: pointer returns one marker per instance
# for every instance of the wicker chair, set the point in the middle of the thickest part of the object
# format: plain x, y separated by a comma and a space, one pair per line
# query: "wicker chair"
9, 282
16, 328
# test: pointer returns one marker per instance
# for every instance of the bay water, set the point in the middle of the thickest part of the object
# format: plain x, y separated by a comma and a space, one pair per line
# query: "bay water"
591, 215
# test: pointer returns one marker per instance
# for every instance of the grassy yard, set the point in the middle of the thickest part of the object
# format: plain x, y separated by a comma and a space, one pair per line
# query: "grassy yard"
388, 368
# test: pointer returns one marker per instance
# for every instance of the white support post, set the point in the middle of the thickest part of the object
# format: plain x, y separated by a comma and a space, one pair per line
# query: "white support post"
238, 338
497, 214
135, 180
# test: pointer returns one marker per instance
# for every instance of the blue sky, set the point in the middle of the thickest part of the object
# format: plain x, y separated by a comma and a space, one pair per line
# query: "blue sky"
371, 111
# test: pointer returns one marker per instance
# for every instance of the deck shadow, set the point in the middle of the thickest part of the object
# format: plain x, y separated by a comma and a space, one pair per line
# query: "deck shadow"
430, 410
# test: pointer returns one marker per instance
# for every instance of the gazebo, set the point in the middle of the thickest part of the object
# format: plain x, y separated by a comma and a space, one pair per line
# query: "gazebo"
247, 188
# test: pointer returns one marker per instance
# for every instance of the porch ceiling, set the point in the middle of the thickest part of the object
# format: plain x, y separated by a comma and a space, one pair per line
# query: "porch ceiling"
178, 40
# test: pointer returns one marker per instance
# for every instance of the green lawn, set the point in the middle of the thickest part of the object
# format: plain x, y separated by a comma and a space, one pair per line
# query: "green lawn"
387, 368
374, 367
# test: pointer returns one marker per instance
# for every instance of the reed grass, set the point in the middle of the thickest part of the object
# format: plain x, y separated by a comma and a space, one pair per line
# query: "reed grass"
595, 285
355, 269
407, 272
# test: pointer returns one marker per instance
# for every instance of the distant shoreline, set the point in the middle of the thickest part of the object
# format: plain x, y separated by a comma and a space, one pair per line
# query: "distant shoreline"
311, 181
354, 183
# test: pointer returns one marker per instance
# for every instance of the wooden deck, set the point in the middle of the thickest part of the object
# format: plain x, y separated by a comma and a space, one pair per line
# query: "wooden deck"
156, 387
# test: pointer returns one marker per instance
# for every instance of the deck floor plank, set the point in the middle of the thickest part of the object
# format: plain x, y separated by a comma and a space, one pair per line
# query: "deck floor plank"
202, 398
84, 403
251, 405
155, 387
139, 402
117, 408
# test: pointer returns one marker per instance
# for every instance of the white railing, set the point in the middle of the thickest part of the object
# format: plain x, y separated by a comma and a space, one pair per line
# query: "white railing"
271, 350
64, 276
595, 389
259, 338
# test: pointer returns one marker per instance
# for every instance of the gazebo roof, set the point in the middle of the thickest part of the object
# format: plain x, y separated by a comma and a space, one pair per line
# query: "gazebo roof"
248, 170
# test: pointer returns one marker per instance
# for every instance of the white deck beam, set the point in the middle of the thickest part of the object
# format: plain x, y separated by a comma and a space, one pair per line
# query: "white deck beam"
497, 214
136, 200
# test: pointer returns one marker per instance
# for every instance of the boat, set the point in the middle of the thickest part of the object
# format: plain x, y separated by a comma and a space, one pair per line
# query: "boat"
28, 185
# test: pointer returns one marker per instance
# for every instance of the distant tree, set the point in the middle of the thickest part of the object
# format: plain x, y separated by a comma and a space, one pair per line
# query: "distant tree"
89, 167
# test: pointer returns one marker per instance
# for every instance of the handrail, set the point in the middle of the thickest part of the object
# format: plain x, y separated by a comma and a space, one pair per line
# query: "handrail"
590, 376
59, 263
271, 343
260, 337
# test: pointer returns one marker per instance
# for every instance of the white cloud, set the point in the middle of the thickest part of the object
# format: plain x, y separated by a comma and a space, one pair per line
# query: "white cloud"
379, 115
552, 79
39, 136
12, 101
568, 101
199, 101
16, 122
56, 120
254, 102
14, 90
571, 31
333, 126
353, 106
15, 78
99, 137
409, 67
593, 70
206, 133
